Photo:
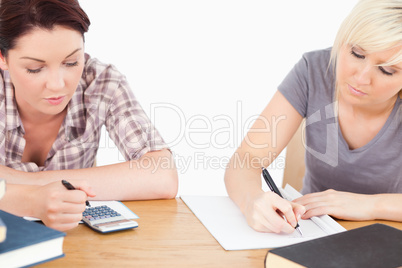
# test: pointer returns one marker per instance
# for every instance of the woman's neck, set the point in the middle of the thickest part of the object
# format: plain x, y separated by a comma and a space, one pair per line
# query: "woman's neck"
37, 118
368, 111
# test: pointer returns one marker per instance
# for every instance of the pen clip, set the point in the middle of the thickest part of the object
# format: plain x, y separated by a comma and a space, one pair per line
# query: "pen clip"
270, 186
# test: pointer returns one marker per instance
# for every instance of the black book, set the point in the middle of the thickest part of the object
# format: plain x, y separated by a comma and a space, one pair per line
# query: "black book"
375, 245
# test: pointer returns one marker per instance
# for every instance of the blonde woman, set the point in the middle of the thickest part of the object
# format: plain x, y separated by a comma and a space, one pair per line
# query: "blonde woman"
350, 96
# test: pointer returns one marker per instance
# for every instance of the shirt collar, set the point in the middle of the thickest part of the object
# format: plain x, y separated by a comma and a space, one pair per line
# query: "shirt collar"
75, 110
13, 119
76, 115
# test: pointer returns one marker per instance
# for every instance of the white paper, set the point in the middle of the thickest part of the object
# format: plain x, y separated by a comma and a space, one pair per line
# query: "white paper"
115, 205
325, 222
224, 220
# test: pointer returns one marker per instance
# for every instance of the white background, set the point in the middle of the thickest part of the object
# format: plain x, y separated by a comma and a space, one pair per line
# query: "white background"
202, 70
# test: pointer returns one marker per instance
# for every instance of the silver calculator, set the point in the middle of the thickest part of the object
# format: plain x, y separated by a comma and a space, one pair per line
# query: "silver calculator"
104, 219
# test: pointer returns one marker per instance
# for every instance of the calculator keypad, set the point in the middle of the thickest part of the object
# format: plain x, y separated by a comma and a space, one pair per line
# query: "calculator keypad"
104, 219
100, 212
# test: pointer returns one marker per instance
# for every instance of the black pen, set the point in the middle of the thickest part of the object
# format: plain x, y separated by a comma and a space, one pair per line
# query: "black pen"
271, 184
69, 186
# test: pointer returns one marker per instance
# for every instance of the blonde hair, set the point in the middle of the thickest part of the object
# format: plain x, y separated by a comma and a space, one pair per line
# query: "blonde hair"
373, 25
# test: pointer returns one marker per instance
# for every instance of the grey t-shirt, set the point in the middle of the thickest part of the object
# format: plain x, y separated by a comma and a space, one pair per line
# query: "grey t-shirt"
330, 164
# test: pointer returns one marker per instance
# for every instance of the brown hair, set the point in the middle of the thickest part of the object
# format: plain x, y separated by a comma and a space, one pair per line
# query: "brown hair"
18, 17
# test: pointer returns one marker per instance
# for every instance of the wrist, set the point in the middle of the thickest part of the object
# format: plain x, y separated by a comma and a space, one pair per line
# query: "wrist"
374, 206
384, 207
249, 198
30, 204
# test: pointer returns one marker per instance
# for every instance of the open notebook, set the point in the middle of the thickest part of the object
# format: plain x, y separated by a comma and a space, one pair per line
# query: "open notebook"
224, 220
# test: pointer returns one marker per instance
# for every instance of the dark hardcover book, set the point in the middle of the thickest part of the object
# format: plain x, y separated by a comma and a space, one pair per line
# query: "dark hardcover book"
28, 243
375, 245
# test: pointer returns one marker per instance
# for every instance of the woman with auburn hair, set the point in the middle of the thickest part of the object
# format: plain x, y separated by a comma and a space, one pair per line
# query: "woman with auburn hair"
54, 99
350, 96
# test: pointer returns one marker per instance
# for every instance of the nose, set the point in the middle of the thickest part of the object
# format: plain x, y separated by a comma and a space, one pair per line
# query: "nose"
55, 80
363, 75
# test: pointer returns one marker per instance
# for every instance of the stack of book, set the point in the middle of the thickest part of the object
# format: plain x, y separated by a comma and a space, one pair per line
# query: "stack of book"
26, 243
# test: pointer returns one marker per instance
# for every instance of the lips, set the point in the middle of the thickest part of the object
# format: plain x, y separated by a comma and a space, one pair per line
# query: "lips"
355, 91
55, 100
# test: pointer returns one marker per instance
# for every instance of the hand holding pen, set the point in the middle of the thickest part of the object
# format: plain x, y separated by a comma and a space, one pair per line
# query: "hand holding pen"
69, 186
57, 207
271, 184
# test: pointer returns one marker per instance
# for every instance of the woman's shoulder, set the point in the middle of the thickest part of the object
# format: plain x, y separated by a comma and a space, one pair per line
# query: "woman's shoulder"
315, 64
94, 69
100, 83
319, 67
100, 78
318, 54
318, 58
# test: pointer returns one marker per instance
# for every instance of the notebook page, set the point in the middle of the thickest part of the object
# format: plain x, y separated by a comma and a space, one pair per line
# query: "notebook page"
325, 222
225, 222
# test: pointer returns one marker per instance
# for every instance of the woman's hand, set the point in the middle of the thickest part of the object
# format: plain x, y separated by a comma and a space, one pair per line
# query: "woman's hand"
342, 205
58, 207
265, 212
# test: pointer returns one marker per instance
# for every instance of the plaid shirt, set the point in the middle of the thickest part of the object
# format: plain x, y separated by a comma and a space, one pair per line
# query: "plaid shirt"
103, 97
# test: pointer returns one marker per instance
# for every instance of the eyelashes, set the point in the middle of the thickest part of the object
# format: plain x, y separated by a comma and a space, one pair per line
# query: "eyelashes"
72, 64
35, 71
68, 64
359, 56
356, 54
384, 71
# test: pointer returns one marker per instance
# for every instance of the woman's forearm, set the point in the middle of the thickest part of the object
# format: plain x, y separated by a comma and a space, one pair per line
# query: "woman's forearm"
241, 182
153, 176
16, 200
387, 207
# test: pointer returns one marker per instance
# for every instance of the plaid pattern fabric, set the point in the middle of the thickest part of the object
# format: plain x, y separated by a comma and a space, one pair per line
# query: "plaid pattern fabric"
103, 97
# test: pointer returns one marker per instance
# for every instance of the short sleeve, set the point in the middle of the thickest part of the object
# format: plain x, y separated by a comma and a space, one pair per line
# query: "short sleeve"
128, 125
295, 87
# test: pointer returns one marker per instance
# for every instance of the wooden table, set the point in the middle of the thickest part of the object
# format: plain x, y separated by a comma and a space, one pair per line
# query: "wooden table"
169, 235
